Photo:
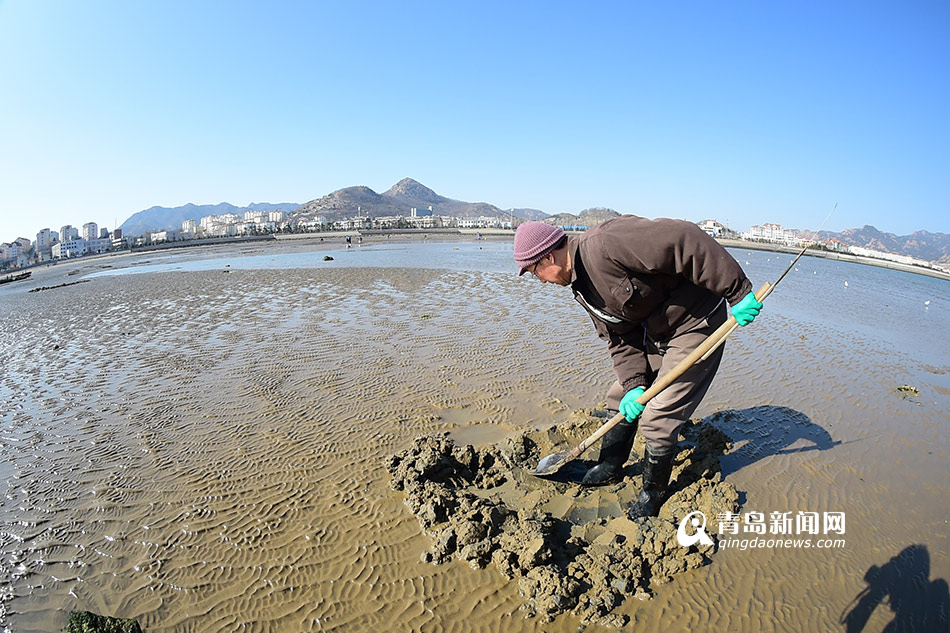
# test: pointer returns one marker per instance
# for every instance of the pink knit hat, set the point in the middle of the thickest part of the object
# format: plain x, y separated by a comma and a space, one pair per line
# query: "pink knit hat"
534, 240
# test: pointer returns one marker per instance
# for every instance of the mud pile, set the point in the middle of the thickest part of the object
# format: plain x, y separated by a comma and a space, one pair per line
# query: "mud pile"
570, 548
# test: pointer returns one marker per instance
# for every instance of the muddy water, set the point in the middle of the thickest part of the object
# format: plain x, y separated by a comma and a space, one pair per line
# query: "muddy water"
204, 448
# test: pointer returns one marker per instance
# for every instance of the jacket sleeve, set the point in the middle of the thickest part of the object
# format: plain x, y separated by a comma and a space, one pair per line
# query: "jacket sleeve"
629, 359
677, 247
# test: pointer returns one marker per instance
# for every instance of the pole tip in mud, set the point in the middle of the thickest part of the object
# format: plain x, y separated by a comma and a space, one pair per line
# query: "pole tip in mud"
551, 464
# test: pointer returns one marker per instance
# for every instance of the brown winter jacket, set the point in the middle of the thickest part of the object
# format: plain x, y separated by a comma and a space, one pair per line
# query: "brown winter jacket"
641, 278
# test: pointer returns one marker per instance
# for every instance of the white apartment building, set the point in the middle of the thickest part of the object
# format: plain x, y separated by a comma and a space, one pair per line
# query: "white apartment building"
220, 225
772, 233
68, 232
90, 231
483, 222
16, 253
99, 245
44, 241
8, 251
716, 229
893, 257
351, 224
189, 226
316, 224
276, 216
69, 248
425, 221
387, 222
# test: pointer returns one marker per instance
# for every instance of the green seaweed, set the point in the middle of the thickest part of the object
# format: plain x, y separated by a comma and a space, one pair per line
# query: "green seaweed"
86, 622
908, 390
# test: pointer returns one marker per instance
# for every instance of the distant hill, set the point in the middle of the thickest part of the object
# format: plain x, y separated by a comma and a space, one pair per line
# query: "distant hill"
409, 193
587, 217
170, 218
932, 247
397, 200
528, 214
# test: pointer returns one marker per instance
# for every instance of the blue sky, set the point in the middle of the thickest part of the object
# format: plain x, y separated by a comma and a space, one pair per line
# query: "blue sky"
747, 112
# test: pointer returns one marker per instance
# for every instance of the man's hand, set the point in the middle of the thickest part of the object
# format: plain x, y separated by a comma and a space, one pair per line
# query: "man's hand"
629, 407
746, 310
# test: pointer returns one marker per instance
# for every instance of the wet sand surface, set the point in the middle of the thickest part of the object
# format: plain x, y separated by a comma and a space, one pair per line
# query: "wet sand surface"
207, 449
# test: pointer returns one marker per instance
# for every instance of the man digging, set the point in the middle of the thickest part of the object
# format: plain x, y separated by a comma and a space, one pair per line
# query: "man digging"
655, 290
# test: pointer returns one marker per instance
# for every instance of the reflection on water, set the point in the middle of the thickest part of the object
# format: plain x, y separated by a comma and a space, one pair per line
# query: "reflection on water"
204, 450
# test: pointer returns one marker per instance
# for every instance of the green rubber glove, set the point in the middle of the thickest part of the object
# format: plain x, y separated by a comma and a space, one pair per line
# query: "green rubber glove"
746, 310
629, 407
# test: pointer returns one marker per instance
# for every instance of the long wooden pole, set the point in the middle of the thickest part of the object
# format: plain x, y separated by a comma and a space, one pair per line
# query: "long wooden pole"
713, 341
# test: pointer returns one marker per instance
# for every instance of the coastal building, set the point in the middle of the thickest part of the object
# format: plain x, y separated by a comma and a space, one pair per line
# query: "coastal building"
420, 213
770, 232
73, 247
90, 231
219, 225
16, 254
277, 217
425, 221
352, 224
892, 257
117, 240
68, 232
99, 245
44, 243
388, 222
483, 222
716, 229
189, 228
316, 224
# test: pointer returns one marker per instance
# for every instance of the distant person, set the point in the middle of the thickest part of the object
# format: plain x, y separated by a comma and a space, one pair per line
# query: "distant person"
349, 241
655, 289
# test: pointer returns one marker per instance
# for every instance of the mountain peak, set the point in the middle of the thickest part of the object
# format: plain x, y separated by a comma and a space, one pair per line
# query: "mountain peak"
409, 188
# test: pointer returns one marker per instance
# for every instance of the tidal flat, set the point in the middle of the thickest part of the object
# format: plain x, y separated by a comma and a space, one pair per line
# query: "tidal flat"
199, 439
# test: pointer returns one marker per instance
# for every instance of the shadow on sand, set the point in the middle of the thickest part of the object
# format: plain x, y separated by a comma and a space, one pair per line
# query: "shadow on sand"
918, 603
761, 432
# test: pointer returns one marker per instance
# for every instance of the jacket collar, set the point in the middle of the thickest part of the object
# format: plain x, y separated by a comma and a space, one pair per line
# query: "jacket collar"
573, 244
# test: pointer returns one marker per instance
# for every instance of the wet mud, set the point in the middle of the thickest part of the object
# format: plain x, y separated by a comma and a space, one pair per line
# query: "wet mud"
568, 548
206, 451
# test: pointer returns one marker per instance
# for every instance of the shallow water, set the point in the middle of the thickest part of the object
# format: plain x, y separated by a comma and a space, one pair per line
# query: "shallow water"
201, 445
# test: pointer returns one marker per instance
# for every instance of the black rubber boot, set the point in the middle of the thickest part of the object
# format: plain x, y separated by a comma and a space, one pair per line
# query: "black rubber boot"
656, 477
614, 451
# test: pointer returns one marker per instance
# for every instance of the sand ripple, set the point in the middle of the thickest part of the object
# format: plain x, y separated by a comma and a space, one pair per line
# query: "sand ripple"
205, 451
